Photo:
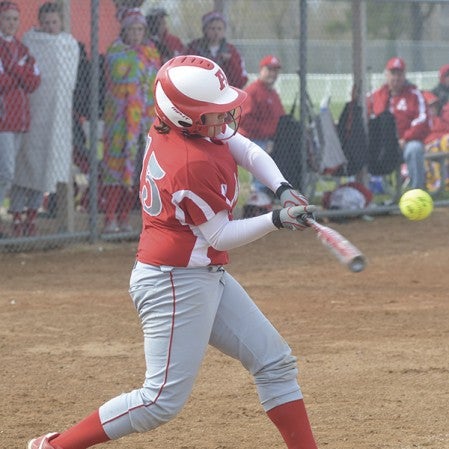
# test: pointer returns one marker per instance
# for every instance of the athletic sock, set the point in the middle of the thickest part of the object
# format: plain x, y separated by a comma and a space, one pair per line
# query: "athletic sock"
293, 424
86, 433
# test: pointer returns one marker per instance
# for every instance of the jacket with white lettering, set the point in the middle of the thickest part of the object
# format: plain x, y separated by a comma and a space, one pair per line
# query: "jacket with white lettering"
408, 107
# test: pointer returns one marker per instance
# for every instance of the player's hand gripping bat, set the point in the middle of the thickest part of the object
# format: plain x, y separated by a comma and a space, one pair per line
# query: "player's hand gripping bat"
302, 217
339, 246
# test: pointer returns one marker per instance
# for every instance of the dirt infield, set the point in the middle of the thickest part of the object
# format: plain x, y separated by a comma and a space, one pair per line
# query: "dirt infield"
373, 347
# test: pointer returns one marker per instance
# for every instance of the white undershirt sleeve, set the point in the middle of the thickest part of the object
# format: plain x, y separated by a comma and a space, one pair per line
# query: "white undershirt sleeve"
223, 234
254, 159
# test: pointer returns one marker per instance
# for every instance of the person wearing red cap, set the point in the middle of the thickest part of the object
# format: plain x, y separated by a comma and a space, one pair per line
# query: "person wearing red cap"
214, 45
261, 113
406, 102
437, 141
442, 89
19, 77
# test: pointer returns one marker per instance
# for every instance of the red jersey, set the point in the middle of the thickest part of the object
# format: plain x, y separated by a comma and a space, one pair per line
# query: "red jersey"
408, 107
184, 182
19, 76
261, 112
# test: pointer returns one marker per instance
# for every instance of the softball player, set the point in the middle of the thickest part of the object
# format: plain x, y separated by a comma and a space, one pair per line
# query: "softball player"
180, 288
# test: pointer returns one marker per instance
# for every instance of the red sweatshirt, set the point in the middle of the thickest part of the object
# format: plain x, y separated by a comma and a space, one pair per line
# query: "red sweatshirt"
261, 112
19, 76
408, 107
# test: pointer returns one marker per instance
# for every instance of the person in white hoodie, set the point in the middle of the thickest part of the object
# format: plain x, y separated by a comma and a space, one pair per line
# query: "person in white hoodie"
46, 156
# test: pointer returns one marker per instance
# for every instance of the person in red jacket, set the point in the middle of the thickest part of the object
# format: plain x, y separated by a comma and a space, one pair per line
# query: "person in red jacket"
406, 102
167, 44
437, 140
19, 76
441, 90
213, 45
438, 118
261, 113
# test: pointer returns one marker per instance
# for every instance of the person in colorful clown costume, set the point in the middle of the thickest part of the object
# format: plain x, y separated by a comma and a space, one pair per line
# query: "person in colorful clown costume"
131, 66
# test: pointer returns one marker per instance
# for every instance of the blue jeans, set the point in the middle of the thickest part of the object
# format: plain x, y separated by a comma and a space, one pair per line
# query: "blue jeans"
414, 158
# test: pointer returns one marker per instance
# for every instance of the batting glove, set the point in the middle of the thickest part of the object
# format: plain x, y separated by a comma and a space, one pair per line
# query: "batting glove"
290, 197
293, 218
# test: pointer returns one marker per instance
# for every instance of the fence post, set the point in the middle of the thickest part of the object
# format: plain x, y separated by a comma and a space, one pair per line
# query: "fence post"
303, 89
93, 119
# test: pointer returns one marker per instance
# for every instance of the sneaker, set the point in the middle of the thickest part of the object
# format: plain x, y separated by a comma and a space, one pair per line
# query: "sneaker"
111, 227
43, 442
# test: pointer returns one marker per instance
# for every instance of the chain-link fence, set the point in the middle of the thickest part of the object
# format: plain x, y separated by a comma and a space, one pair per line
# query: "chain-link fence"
76, 103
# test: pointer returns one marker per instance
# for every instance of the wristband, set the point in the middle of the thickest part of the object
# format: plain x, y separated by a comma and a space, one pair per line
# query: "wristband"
283, 187
276, 218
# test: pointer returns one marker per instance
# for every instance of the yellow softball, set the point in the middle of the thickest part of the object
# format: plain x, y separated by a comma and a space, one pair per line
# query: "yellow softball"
416, 204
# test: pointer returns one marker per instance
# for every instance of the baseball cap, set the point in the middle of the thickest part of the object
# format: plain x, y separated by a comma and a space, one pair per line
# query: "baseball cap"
270, 61
395, 64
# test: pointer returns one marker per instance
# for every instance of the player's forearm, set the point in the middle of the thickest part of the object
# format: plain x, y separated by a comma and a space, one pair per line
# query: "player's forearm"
224, 235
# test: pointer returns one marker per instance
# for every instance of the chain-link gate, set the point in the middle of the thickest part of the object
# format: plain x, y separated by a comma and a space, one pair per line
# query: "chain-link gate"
76, 102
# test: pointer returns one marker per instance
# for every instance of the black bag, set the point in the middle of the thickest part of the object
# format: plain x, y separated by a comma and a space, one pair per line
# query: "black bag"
353, 138
287, 148
384, 153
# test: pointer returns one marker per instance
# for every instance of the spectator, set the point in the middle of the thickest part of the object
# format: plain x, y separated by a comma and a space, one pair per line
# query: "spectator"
438, 117
261, 113
46, 156
81, 110
406, 102
80, 113
131, 66
437, 141
19, 77
213, 45
167, 44
442, 89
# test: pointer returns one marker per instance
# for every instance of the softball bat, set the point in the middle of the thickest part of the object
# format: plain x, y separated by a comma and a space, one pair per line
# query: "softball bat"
339, 246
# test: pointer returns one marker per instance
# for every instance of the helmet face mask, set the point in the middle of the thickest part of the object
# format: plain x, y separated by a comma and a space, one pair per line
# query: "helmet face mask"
189, 87
216, 123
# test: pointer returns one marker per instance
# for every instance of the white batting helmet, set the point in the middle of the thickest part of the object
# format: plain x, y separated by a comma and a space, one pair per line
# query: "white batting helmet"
187, 87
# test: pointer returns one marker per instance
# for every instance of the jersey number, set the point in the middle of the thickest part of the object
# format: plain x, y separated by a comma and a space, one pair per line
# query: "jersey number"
150, 196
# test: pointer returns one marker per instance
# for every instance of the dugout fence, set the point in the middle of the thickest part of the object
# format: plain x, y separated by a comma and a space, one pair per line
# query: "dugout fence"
326, 48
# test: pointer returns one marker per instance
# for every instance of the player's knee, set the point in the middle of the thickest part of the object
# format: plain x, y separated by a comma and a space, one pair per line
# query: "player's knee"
281, 369
165, 413
153, 415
